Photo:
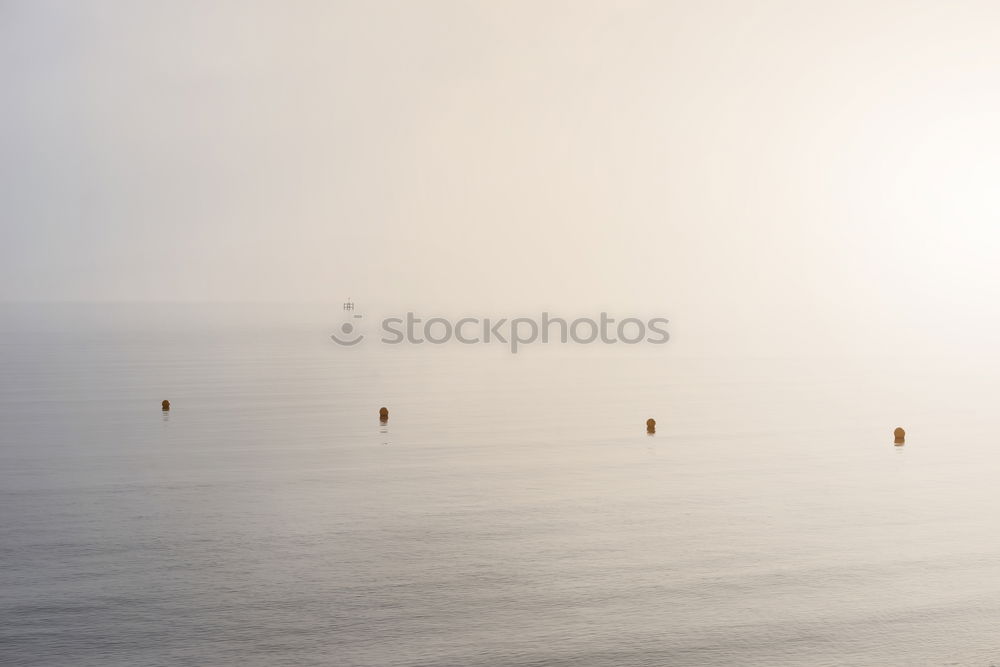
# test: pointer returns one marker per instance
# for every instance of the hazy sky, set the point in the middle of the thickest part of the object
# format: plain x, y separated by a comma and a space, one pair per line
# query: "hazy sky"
829, 165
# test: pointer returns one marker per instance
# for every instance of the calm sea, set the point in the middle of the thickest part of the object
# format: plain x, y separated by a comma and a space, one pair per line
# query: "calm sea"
513, 511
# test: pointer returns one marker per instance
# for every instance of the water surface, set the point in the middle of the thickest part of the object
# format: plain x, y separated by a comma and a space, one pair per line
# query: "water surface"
512, 512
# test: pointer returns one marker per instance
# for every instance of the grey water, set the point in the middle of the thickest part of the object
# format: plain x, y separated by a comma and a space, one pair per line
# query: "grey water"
513, 511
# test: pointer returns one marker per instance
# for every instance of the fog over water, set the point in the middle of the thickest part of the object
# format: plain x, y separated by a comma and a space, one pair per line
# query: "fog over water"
806, 191
804, 174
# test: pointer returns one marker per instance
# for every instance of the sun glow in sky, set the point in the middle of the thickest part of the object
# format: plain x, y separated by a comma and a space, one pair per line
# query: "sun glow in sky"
793, 170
